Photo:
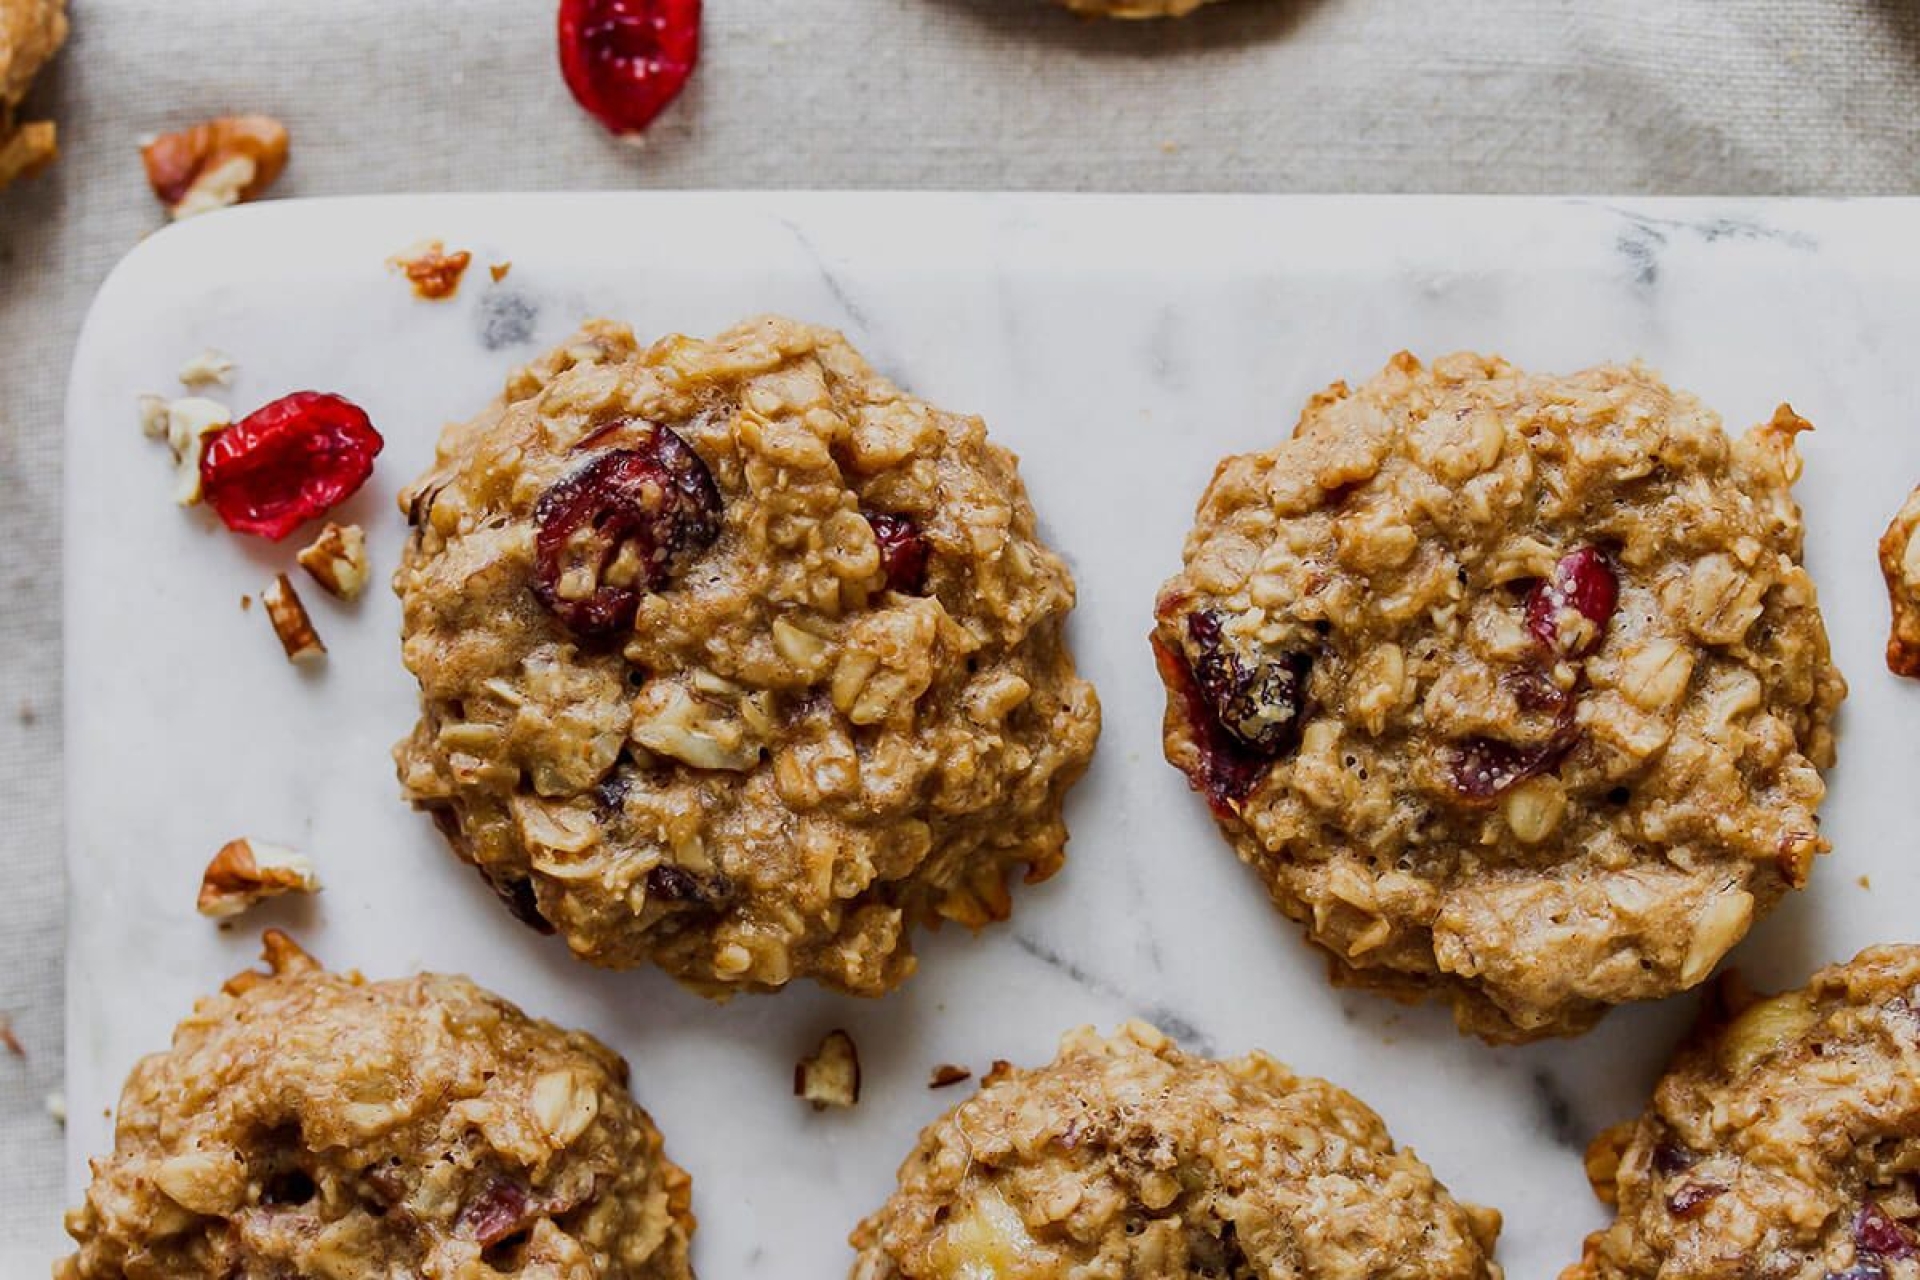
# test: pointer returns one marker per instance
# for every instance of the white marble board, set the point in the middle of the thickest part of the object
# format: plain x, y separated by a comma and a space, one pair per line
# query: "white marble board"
1120, 346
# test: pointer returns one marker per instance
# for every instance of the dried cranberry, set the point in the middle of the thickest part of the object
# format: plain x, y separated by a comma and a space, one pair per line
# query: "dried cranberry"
287, 462
1226, 771
1692, 1197
1584, 582
625, 520
496, 1213
625, 60
1670, 1158
1863, 1270
1259, 702
670, 882
1875, 1231
903, 551
1534, 690
1483, 768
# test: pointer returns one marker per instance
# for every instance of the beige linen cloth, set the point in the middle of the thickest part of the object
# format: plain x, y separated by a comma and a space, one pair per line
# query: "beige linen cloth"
1626, 96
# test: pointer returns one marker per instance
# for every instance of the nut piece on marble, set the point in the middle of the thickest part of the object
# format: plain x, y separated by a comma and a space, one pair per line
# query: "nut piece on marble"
184, 424
434, 273
1900, 564
948, 1073
208, 369
337, 560
830, 1076
248, 871
291, 621
215, 164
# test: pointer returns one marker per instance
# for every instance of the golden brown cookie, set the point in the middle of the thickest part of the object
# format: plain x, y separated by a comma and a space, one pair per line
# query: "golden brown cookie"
737, 659
1512, 688
1900, 565
1782, 1142
314, 1124
31, 31
1135, 8
1127, 1157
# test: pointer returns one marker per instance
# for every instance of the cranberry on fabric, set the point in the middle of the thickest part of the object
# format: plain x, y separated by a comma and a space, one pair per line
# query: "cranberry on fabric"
625, 60
287, 463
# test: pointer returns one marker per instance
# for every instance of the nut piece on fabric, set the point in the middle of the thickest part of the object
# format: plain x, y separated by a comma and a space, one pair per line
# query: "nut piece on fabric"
215, 164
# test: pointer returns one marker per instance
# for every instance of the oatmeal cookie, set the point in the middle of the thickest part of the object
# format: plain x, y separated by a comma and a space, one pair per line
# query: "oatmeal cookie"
31, 32
736, 659
315, 1124
1781, 1142
1900, 563
1512, 688
1127, 1157
1135, 8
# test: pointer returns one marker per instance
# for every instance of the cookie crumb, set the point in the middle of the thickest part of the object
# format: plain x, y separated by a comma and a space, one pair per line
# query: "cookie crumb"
1866, 882
10, 1040
434, 272
499, 271
948, 1073
830, 1076
56, 1105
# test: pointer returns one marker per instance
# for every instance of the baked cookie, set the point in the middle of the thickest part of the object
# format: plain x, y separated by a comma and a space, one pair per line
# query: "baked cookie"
1512, 688
1135, 8
1126, 1157
31, 31
737, 659
1900, 564
1781, 1142
315, 1124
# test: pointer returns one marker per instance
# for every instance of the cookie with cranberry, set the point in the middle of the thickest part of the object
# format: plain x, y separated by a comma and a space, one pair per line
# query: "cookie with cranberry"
306, 1123
1127, 1157
1781, 1142
1512, 688
737, 659
31, 32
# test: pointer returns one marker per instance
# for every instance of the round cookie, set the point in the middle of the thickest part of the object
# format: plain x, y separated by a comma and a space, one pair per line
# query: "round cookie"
314, 1124
1127, 1157
1135, 8
1512, 688
736, 659
31, 32
1781, 1142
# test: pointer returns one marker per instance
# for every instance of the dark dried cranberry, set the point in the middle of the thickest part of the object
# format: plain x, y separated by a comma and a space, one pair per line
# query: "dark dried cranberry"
1484, 768
619, 526
670, 882
520, 899
625, 60
287, 463
1584, 582
1692, 1198
1863, 1270
1226, 770
496, 1213
903, 551
1670, 1158
1875, 1231
1260, 702
1535, 691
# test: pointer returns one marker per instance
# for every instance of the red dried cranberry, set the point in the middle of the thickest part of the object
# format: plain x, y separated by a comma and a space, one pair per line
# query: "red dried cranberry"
1534, 690
287, 462
1876, 1231
672, 883
903, 551
1670, 1158
635, 512
1584, 582
1863, 1270
625, 60
1692, 1198
1226, 771
496, 1213
1260, 702
1483, 768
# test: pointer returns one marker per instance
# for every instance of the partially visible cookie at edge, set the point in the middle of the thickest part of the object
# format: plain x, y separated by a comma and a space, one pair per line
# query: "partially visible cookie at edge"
1781, 1141
1128, 1157
1900, 565
316, 1124
31, 32
1511, 687
737, 659
1134, 8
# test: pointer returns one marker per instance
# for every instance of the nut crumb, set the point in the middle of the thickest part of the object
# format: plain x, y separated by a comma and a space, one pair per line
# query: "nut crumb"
948, 1073
208, 369
435, 273
1866, 883
248, 871
31, 148
337, 560
185, 425
56, 1104
499, 271
246, 604
10, 1040
215, 164
291, 622
830, 1077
